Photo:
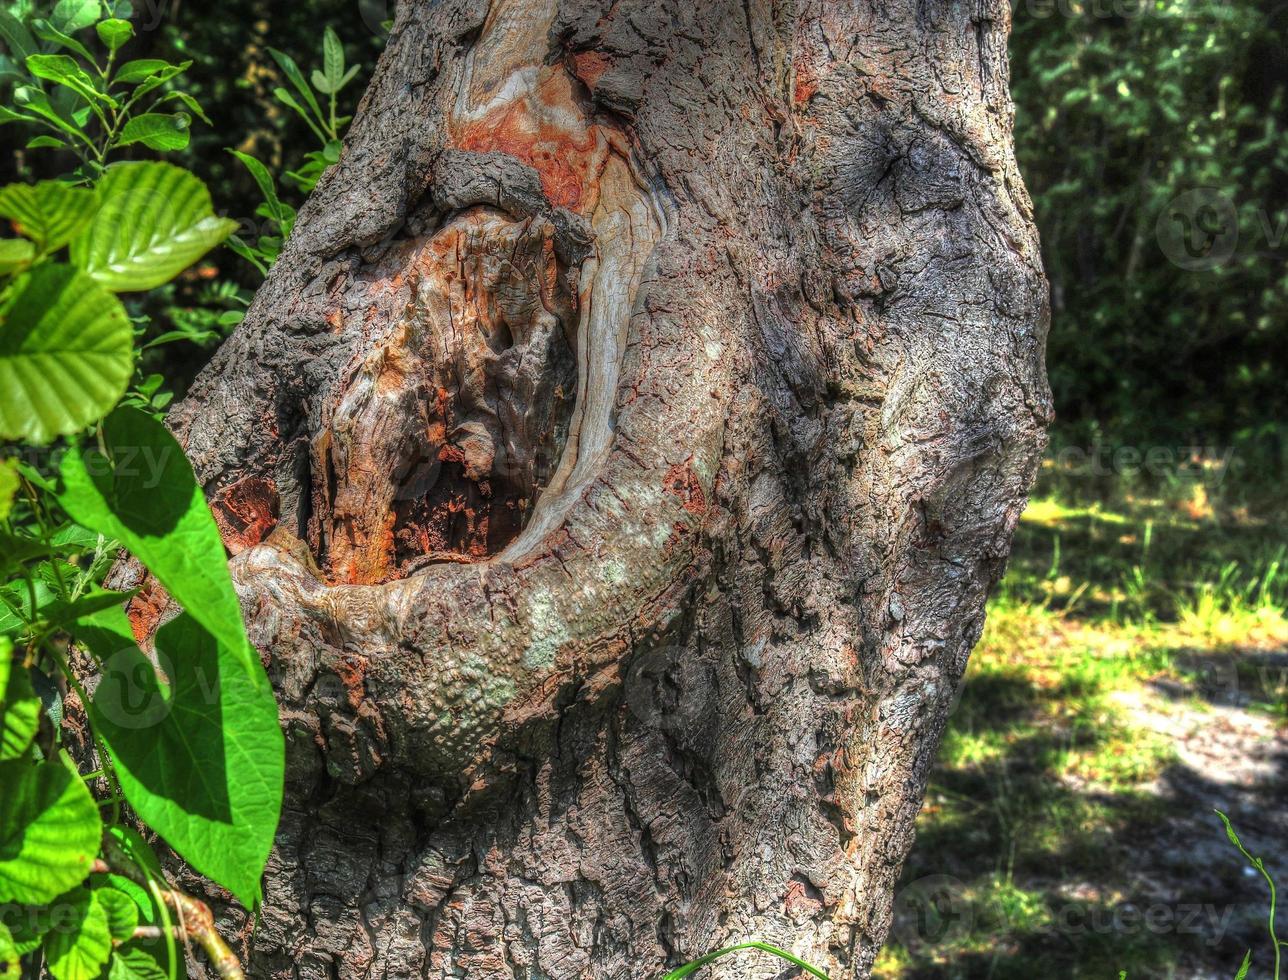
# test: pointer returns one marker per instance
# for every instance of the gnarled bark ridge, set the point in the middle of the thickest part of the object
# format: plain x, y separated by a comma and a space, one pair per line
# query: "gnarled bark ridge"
616, 463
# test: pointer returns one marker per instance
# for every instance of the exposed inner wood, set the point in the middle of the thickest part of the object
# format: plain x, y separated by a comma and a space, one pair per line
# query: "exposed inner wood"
470, 426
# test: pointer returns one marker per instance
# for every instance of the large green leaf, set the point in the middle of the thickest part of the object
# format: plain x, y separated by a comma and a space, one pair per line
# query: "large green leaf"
48, 31
143, 494
16, 36
114, 32
19, 705
66, 354
33, 100
154, 220
71, 16
80, 948
157, 131
133, 72
200, 760
49, 831
49, 213
63, 70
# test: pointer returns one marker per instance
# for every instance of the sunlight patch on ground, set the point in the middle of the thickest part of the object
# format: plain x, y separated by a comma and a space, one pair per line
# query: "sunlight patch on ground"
1132, 654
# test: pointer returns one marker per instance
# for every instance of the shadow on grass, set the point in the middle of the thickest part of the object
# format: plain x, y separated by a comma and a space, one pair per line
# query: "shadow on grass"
1026, 865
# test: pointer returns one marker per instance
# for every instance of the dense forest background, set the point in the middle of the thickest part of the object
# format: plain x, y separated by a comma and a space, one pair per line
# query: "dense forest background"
1134, 672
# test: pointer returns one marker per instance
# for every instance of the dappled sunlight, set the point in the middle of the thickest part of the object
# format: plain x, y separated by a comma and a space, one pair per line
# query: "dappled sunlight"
1132, 676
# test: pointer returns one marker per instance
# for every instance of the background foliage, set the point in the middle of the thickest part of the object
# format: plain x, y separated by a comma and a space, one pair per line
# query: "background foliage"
1122, 107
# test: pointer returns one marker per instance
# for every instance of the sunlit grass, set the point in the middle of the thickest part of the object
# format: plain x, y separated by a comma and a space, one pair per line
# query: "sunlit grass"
1061, 730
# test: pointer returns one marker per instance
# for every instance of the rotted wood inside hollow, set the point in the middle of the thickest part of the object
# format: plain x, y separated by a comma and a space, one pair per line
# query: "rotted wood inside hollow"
448, 428
468, 428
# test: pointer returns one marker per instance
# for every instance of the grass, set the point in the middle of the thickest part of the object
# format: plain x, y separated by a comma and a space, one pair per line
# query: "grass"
1123, 618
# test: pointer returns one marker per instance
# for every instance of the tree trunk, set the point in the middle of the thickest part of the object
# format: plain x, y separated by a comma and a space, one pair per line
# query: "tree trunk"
616, 463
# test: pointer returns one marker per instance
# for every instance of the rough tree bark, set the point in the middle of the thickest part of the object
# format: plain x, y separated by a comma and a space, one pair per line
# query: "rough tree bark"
616, 464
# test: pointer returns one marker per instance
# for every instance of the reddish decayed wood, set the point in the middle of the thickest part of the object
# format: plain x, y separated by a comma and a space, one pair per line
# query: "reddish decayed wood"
567, 162
245, 512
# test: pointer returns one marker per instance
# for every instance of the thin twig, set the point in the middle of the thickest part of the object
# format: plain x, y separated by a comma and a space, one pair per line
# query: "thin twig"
197, 921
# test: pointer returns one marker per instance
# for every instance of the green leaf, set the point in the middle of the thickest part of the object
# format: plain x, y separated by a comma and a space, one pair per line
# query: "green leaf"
192, 104
16, 36
157, 131
144, 494
7, 115
134, 963
292, 71
19, 706
255, 258
9, 484
200, 761
159, 79
49, 831
332, 60
143, 68
114, 32
46, 143
288, 100
144, 906
28, 925
1229, 831
34, 100
50, 32
277, 211
61, 613
1243, 969
347, 77
50, 213
66, 354
15, 254
80, 949
122, 913
63, 70
10, 967
154, 220
71, 16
